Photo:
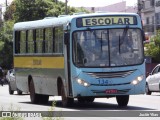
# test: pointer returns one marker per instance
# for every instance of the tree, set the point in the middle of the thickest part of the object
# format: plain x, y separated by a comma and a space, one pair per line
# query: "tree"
153, 48
9, 13
27, 10
6, 45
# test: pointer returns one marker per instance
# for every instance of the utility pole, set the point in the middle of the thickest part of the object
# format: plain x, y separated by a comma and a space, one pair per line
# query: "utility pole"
140, 7
66, 11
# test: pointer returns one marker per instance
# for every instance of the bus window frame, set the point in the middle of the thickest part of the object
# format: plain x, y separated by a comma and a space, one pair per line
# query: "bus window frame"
55, 37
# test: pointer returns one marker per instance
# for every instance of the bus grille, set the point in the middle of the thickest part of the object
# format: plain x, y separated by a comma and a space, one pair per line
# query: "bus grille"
110, 74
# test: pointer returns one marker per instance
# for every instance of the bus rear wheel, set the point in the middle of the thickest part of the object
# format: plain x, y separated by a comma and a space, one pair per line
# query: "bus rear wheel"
66, 101
33, 96
122, 100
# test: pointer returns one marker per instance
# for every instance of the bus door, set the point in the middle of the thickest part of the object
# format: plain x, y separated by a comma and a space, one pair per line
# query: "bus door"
67, 62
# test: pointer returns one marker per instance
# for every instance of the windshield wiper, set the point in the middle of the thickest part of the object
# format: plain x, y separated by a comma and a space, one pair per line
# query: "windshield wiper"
121, 41
123, 37
124, 34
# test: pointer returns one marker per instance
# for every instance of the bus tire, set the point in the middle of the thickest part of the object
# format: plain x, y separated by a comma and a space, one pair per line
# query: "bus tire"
10, 91
122, 100
66, 101
33, 96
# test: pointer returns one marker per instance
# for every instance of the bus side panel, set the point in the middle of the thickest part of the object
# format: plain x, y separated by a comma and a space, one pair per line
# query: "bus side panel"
45, 79
21, 80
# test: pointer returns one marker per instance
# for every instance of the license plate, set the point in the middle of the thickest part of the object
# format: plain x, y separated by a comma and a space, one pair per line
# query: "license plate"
111, 91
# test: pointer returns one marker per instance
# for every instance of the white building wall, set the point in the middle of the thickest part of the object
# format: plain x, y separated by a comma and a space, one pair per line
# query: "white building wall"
117, 7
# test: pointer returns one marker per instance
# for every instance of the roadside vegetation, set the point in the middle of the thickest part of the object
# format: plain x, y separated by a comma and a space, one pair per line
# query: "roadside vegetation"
153, 47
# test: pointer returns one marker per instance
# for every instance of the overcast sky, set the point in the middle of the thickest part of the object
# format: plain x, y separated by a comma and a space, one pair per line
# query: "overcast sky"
94, 3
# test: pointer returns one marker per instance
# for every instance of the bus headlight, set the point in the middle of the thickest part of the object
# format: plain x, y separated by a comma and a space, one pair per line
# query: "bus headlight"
82, 82
137, 80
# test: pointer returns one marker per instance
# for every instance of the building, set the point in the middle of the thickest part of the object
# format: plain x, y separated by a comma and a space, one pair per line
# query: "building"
151, 16
157, 14
120, 7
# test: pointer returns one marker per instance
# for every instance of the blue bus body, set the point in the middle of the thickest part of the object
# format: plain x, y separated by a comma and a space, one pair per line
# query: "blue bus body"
100, 55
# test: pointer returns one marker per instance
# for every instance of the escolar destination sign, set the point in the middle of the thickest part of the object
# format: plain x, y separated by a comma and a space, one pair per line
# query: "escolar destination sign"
106, 20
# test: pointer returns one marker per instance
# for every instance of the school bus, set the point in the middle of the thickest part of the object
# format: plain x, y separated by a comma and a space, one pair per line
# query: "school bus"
86, 56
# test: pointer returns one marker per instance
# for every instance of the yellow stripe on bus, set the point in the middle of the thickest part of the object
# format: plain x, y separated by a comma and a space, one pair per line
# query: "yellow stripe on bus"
39, 62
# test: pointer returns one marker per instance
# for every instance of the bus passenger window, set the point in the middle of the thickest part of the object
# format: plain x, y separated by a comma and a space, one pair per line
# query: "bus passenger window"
23, 42
48, 40
39, 40
58, 40
17, 42
30, 42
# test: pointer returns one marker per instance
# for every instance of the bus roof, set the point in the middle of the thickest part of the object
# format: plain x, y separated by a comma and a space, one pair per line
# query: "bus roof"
59, 21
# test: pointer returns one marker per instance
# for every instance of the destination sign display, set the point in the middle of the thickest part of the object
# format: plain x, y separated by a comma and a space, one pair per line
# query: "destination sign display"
106, 20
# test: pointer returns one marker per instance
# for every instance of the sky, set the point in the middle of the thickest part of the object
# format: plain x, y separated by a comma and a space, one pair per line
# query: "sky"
97, 3
90, 3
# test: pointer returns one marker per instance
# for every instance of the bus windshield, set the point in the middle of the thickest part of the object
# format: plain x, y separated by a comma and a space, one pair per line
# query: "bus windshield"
107, 47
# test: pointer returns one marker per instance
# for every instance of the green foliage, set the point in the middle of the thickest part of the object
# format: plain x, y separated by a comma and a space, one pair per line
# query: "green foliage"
9, 13
27, 10
6, 45
153, 48
50, 113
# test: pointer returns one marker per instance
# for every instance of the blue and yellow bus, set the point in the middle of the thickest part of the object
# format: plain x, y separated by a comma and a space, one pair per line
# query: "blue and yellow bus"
86, 56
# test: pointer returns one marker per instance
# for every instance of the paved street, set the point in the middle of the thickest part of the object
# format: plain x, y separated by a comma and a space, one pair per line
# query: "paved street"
137, 103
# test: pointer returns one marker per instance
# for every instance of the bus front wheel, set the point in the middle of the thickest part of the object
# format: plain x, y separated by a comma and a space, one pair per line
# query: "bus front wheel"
66, 101
33, 96
122, 100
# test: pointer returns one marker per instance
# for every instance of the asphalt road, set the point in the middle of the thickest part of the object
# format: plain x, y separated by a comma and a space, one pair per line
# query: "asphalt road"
140, 107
